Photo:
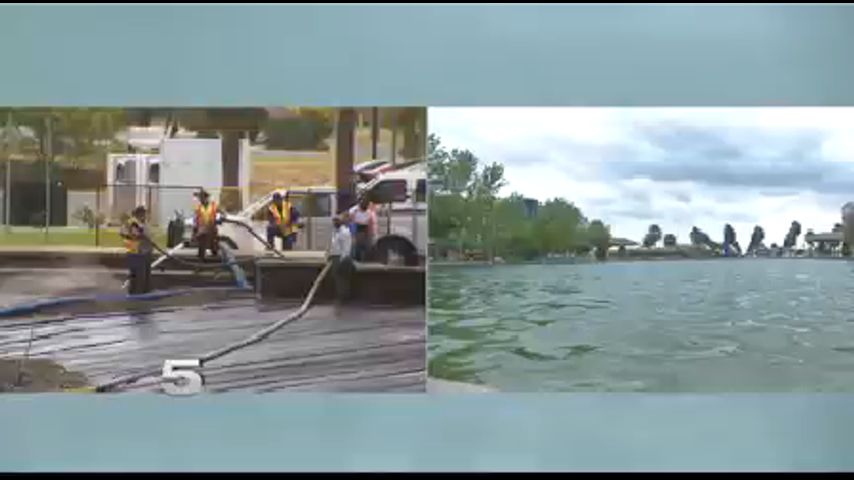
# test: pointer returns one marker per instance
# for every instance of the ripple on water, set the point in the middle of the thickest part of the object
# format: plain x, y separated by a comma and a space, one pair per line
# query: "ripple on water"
716, 352
578, 350
532, 326
528, 354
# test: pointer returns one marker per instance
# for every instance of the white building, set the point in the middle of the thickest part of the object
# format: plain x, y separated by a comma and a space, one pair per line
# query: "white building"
165, 172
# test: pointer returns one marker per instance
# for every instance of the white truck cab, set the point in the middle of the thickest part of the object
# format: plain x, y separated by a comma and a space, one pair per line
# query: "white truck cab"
316, 205
400, 199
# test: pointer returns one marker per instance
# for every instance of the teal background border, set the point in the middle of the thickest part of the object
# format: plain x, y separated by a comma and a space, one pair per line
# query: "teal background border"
435, 55
241, 55
516, 432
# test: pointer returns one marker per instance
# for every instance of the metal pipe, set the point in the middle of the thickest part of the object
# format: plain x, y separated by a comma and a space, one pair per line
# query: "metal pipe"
98, 216
48, 162
11, 131
7, 194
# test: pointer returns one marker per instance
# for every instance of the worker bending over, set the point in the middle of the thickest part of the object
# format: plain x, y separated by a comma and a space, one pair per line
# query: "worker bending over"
283, 218
364, 220
339, 254
204, 225
138, 245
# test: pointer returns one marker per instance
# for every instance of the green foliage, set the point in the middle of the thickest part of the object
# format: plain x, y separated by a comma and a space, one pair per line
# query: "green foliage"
670, 240
307, 131
466, 211
652, 237
599, 236
77, 132
87, 215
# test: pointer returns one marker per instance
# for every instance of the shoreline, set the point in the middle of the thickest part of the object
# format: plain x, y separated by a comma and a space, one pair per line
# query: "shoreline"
440, 386
459, 263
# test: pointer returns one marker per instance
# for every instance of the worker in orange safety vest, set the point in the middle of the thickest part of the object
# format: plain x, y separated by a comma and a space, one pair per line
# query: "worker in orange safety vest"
205, 224
283, 221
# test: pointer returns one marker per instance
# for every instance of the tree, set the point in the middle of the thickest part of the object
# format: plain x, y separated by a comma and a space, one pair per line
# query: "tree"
557, 226
412, 123
471, 191
438, 160
670, 240
652, 237
599, 237
729, 234
730, 240
698, 238
308, 129
792, 236
76, 132
466, 211
756, 239
514, 230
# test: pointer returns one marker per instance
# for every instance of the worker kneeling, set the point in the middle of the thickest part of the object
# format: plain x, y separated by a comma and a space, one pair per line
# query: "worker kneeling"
138, 245
283, 218
204, 225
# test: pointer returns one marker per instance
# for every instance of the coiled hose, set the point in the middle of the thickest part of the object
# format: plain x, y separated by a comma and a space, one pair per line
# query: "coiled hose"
221, 352
212, 355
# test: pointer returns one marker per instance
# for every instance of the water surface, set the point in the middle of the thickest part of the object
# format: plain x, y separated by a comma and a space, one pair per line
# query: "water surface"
751, 325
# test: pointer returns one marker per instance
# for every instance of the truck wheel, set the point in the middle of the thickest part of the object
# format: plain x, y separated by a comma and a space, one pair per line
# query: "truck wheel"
394, 251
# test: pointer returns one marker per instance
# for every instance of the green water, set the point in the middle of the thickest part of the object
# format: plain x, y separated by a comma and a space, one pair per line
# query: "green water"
746, 325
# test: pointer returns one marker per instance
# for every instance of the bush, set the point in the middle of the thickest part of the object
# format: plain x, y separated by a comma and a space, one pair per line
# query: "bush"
87, 216
306, 132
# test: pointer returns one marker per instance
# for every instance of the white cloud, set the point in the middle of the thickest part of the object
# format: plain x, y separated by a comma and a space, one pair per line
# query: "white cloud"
677, 167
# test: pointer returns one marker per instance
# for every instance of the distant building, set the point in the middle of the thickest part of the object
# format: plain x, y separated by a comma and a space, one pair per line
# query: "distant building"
531, 207
825, 243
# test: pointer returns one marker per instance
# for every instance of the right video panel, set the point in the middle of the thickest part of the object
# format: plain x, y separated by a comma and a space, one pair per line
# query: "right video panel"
641, 249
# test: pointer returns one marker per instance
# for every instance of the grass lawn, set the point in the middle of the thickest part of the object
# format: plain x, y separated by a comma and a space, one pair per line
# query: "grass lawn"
307, 169
66, 236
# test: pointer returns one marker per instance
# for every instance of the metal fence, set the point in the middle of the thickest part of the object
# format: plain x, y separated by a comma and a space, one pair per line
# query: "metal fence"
92, 217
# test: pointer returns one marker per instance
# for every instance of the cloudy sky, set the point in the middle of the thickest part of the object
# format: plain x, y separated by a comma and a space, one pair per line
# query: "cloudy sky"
676, 167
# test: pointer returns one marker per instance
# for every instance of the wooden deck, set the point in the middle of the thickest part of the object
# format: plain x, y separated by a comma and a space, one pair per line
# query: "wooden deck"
351, 349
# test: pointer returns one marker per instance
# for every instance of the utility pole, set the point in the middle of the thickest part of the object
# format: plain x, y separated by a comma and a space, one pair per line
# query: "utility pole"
394, 114
345, 144
10, 144
48, 157
375, 131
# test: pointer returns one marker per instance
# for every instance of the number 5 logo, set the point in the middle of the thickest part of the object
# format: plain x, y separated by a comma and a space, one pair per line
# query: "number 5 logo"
179, 381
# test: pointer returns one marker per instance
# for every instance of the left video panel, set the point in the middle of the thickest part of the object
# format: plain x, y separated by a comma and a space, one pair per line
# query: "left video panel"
203, 250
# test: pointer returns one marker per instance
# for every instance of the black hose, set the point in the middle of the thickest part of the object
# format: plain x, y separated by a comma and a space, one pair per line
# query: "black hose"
220, 352
205, 265
195, 264
257, 237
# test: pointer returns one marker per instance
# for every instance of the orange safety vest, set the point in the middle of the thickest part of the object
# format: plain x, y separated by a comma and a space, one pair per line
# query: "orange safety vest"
130, 240
206, 216
283, 217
